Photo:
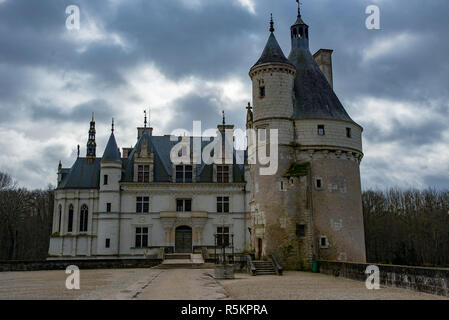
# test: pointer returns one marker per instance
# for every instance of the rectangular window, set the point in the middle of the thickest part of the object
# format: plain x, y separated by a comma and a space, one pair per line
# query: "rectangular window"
108, 207
262, 92
141, 237
321, 130
184, 174
301, 230
143, 173
142, 204
222, 204
319, 183
223, 174
348, 132
105, 179
108, 243
222, 236
184, 205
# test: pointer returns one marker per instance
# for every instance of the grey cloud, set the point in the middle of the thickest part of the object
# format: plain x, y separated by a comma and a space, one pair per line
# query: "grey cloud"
215, 41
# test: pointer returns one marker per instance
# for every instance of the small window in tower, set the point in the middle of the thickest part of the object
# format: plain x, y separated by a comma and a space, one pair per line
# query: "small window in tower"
301, 230
321, 130
108, 207
262, 92
301, 32
108, 243
324, 243
307, 33
348, 132
105, 179
319, 183
282, 186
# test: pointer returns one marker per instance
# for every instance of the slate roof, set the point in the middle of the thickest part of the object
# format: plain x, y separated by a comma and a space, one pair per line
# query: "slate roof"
111, 153
83, 175
314, 97
272, 52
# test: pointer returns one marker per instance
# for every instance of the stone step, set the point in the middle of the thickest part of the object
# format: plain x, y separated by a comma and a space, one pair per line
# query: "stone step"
170, 256
185, 266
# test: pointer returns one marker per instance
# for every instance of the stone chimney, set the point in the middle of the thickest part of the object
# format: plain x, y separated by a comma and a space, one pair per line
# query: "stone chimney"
140, 131
323, 58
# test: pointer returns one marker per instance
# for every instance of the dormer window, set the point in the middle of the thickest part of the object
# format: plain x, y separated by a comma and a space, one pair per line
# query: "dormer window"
143, 173
184, 173
223, 174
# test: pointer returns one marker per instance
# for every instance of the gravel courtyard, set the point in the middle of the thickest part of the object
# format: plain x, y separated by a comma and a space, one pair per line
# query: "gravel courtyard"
189, 284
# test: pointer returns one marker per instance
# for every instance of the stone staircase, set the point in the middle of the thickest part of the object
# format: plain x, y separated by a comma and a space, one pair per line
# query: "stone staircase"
264, 268
184, 261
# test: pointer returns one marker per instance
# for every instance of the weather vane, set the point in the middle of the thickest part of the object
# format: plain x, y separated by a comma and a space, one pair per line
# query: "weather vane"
299, 8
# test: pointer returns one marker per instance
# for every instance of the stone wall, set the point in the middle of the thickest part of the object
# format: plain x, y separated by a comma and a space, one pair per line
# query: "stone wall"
429, 280
82, 264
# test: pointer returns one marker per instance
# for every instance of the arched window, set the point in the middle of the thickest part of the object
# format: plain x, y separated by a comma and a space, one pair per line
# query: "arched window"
84, 214
59, 218
70, 220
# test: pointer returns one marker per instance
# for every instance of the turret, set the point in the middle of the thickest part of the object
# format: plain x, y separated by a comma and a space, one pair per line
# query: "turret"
91, 144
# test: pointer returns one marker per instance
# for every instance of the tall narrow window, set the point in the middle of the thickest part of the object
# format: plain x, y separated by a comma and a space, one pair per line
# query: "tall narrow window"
84, 215
141, 237
184, 173
70, 220
60, 217
321, 130
184, 205
222, 236
223, 174
262, 92
108, 207
222, 204
142, 204
143, 173
105, 179
348, 132
108, 243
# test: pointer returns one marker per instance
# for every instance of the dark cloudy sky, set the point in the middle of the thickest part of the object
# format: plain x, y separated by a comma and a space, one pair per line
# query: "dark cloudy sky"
189, 59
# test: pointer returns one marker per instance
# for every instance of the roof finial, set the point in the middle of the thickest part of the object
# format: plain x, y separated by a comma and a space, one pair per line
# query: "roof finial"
299, 8
249, 106
224, 120
145, 121
112, 128
271, 24
78, 151
149, 117
93, 117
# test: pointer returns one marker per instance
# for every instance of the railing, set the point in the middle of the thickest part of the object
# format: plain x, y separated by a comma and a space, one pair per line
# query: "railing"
277, 266
251, 267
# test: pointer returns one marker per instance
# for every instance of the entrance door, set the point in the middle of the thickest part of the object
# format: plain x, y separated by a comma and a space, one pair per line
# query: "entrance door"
259, 246
183, 240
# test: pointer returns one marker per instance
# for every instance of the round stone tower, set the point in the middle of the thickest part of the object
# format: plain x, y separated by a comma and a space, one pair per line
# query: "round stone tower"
308, 207
272, 121
330, 142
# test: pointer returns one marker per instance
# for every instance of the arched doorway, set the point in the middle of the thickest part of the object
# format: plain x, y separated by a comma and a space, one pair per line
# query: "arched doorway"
183, 239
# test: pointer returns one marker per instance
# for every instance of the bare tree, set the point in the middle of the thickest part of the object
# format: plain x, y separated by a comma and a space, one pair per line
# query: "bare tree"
6, 182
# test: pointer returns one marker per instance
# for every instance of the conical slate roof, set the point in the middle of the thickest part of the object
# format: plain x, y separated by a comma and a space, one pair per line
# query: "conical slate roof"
111, 152
272, 52
314, 97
